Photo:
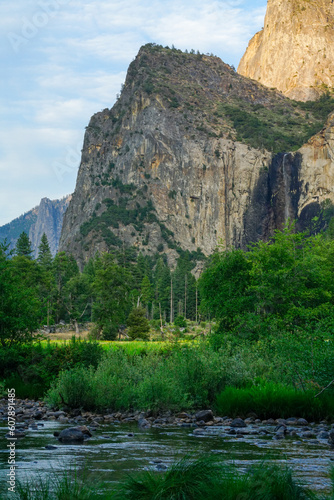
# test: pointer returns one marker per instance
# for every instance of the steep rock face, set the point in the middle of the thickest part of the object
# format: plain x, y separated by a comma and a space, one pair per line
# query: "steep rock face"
46, 218
172, 166
294, 52
165, 155
49, 221
297, 187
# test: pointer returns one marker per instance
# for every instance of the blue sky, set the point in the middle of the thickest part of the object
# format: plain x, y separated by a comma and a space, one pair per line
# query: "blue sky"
63, 60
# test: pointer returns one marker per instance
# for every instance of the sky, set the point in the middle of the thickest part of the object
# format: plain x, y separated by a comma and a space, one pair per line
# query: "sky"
64, 60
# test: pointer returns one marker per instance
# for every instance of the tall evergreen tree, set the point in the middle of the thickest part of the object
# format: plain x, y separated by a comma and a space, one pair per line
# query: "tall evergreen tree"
44, 253
162, 278
23, 246
19, 305
64, 268
111, 289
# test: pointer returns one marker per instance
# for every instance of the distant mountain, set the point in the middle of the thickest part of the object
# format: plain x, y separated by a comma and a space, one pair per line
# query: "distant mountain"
46, 218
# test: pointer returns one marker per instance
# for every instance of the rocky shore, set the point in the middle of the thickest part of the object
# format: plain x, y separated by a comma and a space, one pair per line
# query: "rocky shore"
31, 415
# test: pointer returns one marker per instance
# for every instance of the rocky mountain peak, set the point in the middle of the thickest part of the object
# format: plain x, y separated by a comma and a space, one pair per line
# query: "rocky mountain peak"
185, 161
46, 218
294, 52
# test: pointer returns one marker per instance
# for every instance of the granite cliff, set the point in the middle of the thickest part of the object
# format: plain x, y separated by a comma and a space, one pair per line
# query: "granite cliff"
46, 218
191, 156
294, 52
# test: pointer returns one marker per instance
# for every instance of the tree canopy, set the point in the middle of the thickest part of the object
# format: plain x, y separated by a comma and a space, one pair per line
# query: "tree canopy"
288, 279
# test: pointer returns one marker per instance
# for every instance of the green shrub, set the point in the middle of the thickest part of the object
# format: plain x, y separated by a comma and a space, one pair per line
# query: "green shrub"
178, 379
30, 369
75, 389
30, 390
273, 400
180, 321
139, 326
109, 331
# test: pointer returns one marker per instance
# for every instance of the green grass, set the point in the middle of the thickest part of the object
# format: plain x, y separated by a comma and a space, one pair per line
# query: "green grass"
274, 400
206, 478
66, 486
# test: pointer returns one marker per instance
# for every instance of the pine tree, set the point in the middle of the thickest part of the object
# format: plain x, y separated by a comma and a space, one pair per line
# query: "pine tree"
146, 291
162, 287
44, 253
19, 305
23, 246
138, 324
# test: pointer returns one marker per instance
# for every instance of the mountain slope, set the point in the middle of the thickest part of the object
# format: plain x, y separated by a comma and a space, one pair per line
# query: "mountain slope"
174, 165
46, 218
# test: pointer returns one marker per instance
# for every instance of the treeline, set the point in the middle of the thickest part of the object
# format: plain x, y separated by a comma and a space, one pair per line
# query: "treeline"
284, 285
48, 290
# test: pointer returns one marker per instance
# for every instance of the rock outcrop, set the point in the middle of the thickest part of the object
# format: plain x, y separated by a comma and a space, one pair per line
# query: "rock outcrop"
46, 218
180, 162
49, 221
294, 52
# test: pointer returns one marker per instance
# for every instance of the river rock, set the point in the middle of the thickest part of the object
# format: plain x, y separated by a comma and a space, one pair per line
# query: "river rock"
331, 437
302, 422
205, 415
323, 435
291, 420
63, 420
51, 447
84, 430
143, 423
238, 422
308, 435
161, 467
57, 414
37, 415
71, 435
182, 415
199, 432
279, 436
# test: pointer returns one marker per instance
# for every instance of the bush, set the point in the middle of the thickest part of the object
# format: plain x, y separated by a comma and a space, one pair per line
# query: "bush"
273, 400
30, 369
75, 388
180, 321
179, 379
109, 331
139, 326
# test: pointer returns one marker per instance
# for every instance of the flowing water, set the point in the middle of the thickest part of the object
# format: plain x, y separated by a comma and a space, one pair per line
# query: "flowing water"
113, 451
286, 190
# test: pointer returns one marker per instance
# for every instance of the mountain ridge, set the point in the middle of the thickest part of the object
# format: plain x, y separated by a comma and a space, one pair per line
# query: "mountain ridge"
174, 165
47, 217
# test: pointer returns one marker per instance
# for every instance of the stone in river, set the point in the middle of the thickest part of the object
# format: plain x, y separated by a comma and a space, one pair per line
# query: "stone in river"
205, 415
71, 435
238, 422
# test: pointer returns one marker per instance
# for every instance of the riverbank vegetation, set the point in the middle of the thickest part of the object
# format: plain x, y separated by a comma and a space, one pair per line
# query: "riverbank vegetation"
270, 351
187, 479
